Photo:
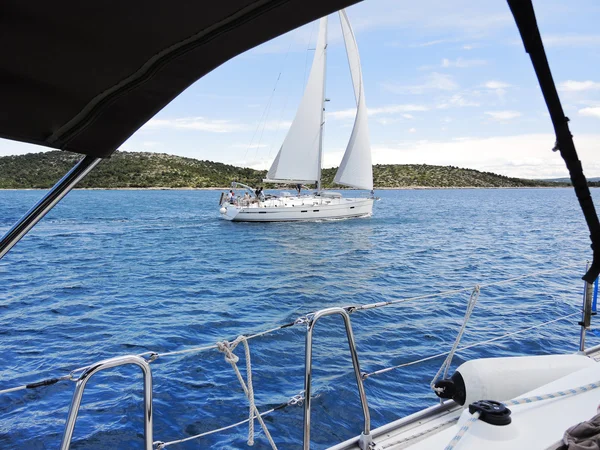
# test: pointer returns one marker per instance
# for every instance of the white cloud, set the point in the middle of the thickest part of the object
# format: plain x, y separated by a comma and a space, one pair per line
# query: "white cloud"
503, 115
433, 18
571, 40
209, 125
390, 109
412, 130
457, 100
434, 81
525, 156
463, 63
578, 86
198, 124
592, 112
408, 116
430, 43
496, 85
386, 121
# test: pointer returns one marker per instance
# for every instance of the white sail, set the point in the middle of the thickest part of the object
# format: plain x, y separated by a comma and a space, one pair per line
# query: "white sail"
356, 168
299, 158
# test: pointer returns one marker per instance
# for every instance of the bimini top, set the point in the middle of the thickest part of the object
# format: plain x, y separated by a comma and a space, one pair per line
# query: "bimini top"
84, 76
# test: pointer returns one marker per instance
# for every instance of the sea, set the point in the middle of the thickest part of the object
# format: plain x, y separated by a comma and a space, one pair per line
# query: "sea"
126, 272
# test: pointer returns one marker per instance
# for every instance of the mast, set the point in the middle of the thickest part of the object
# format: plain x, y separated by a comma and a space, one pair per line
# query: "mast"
322, 108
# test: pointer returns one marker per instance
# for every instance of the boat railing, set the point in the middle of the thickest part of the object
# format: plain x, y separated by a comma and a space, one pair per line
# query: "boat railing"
87, 374
144, 360
311, 321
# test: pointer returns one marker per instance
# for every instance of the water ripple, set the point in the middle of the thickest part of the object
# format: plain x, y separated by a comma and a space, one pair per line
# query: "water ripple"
120, 272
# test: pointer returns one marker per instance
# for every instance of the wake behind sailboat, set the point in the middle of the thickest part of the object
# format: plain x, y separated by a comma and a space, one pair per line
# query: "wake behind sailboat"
299, 160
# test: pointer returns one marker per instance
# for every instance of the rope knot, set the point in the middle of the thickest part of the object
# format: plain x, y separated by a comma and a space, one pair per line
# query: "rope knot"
227, 348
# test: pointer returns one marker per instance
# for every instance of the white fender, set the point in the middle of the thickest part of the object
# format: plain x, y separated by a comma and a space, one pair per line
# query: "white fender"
503, 379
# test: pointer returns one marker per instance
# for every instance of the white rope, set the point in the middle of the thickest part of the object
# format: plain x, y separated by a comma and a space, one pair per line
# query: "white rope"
228, 348
445, 367
558, 394
522, 401
456, 439
18, 388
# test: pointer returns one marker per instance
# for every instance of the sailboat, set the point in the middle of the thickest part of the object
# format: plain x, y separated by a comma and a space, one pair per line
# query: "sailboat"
299, 160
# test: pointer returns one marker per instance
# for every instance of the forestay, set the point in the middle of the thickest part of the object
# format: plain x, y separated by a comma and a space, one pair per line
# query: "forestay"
299, 158
356, 168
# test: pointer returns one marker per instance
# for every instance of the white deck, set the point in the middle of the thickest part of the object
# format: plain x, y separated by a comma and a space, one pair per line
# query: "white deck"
537, 425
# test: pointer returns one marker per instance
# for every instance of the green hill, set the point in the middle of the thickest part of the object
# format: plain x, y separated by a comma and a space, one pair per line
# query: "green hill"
145, 170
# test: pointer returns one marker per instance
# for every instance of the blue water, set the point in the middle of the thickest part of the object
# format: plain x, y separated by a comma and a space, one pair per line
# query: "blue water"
110, 273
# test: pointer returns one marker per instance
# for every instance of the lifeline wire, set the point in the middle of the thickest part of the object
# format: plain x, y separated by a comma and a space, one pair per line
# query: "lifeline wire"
293, 401
466, 347
466, 289
154, 355
46, 382
160, 445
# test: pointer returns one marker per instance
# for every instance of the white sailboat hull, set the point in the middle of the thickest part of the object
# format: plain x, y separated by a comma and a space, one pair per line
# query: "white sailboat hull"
304, 208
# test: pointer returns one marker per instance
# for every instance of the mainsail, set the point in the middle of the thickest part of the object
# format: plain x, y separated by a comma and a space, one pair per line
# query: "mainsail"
356, 169
299, 158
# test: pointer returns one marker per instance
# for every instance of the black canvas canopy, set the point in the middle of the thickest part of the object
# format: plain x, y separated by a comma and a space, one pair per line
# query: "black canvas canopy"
84, 76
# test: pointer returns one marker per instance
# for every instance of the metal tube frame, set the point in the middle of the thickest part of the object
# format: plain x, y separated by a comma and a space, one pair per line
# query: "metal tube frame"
365, 439
586, 313
39, 210
85, 377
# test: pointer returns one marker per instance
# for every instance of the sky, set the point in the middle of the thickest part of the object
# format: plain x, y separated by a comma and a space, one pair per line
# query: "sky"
446, 83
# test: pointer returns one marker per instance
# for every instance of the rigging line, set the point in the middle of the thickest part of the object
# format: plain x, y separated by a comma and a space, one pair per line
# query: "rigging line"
211, 347
293, 401
160, 445
47, 382
466, 289
466, 347
278, 125
263, 115
268, 108
312, 29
